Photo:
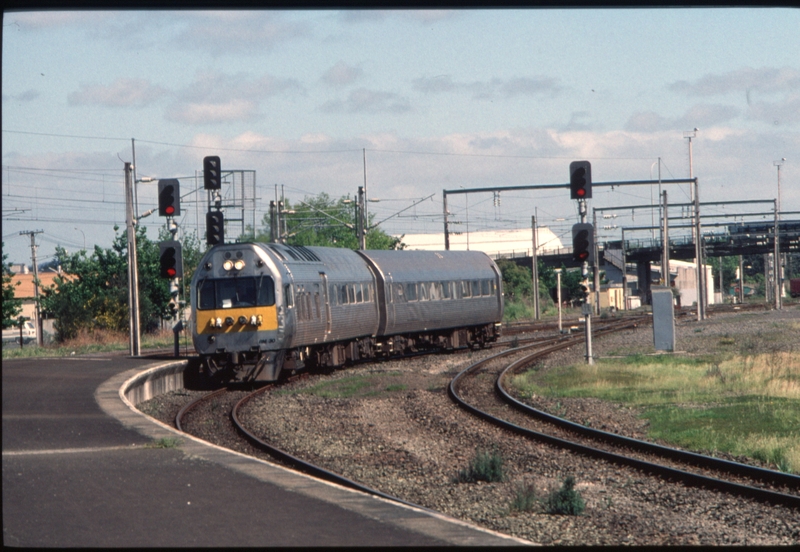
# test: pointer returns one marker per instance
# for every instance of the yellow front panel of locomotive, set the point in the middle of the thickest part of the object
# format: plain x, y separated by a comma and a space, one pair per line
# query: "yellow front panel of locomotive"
207, 320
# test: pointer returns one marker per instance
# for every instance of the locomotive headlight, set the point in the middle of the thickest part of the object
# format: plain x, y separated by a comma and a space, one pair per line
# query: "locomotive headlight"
239, 264
229, 320
217, 322
242, 320
227, 265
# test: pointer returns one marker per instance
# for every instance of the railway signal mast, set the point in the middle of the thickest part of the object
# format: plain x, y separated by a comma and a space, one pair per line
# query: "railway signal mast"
580, 188
170, 256
212, 181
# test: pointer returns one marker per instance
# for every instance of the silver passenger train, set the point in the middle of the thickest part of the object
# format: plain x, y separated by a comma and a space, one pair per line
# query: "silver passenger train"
264, 309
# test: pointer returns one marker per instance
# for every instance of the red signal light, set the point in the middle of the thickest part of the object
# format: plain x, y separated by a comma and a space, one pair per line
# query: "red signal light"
170, 210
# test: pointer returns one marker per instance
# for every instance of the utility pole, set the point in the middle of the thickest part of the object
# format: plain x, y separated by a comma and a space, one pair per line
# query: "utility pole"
133, 273
701, 268
665, 242
700, 273
558, 298
783, 258
535, 270
361, 226
39, 324
776, 272
596, 264
364, 210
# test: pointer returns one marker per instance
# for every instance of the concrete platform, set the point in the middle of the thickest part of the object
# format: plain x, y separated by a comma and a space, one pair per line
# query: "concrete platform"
80, 469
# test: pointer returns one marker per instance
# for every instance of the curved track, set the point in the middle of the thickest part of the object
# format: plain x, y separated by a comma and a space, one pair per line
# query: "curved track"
786, 482
277, 453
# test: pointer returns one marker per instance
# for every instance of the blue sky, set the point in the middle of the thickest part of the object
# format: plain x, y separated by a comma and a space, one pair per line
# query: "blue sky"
433, 99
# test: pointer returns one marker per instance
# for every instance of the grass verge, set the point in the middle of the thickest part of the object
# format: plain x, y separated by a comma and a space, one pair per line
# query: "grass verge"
88, 342
742, 404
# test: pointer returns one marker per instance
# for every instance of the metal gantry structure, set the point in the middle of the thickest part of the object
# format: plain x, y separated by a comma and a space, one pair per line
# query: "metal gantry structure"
698, 238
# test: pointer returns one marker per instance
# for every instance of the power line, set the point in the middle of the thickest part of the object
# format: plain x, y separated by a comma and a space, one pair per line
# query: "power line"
65, 135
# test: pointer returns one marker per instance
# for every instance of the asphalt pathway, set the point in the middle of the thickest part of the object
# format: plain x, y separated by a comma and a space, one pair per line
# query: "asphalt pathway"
81, 468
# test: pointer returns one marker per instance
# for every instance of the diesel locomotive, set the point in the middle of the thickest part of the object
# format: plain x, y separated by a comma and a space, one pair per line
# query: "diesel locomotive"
262, 310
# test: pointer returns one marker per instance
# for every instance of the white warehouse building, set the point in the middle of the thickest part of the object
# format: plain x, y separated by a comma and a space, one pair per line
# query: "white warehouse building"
495, 243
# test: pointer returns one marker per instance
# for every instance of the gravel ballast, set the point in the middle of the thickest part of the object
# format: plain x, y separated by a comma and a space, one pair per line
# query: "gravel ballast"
392, 426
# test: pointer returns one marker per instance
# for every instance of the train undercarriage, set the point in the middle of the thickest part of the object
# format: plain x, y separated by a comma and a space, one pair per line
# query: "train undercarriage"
267, 366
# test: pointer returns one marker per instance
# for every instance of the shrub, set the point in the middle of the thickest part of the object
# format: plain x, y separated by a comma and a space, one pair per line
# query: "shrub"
566, 500
485, 466
524, 498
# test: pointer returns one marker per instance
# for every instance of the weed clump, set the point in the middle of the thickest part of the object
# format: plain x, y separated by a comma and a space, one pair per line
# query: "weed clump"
566, 500
524, 498
484, 466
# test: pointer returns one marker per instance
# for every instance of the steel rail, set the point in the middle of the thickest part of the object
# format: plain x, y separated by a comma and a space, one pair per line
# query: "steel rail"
663, 471
700, 460
191, 405
302, 465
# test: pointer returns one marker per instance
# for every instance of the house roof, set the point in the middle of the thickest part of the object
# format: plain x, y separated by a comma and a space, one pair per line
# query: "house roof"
25, 288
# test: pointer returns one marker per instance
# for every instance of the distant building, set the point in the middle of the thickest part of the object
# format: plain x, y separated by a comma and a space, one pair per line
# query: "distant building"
496, 243
22, 282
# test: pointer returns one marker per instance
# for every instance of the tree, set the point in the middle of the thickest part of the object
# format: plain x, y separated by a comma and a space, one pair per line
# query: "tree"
322, 221
517, 280
11, 306
93, 292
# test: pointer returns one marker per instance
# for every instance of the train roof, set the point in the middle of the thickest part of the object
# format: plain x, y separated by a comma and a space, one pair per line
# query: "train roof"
432, 265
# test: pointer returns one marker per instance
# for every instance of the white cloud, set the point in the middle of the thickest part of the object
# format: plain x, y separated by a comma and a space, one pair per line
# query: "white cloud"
764, 79
491, 89
120, 93
225, 32
364, 100
700, 115
212, 113
341, 74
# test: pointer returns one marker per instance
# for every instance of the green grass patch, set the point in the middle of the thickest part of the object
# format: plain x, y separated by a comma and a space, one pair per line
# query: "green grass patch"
97, 341
166, 442
565, 501
743, 404
484, 466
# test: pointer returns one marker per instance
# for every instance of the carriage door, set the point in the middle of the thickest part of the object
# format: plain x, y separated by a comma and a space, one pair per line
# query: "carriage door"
327, 303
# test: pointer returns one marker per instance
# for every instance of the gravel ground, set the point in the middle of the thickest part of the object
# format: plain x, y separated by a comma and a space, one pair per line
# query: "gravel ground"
400, 433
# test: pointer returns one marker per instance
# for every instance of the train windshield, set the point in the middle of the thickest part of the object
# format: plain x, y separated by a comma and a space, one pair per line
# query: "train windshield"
236, 292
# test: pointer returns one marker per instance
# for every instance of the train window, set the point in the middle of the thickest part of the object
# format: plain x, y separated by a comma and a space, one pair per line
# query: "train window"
265, 290
341, 292
318, 309
492, 287
359, 294
368, 293
445, 290
399, 293
332, 295
423, 291
206, 296
351, 293
236, 292
485, 287
436, 291
288, 296
476, 288
465, 289
411, 292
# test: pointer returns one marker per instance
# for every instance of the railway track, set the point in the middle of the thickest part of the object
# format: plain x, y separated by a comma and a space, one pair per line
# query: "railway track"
231, 400
471, 393
234, 401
